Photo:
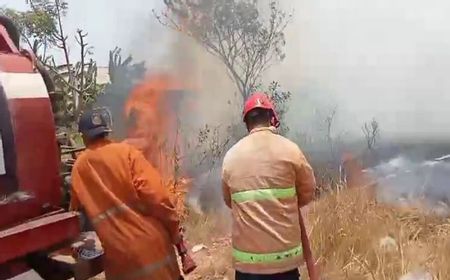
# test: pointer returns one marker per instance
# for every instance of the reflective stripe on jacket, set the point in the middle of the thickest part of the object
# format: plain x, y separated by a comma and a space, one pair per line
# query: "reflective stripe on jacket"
265, 179
130, 209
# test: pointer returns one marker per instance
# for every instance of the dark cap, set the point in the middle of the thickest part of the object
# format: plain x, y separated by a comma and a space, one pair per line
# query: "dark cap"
95, 122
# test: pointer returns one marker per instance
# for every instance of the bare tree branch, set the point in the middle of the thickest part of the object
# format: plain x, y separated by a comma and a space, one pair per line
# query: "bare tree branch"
371, 133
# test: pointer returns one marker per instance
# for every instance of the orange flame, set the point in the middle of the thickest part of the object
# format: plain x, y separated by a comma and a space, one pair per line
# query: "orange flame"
152, 121
153, 124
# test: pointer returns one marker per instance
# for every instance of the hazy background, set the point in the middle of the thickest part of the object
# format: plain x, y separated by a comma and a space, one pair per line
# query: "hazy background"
381, 59
384, 59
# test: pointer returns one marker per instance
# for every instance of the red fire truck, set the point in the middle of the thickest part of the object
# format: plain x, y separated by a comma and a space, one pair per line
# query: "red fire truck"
33, 223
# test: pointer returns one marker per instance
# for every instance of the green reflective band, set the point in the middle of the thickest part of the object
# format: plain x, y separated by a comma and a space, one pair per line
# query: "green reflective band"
245, 257
263, 194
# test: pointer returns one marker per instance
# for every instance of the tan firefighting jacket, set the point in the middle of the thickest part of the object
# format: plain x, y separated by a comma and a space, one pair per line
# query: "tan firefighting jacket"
130, 209
266, 179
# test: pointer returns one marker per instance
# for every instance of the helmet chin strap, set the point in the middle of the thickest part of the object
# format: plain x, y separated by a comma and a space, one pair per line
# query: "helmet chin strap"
274, 122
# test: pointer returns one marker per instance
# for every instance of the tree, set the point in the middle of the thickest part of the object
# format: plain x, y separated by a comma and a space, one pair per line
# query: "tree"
38, 26
329, 121
123, 75
371, 133
76, 84
246, 42
233, 31
280, 99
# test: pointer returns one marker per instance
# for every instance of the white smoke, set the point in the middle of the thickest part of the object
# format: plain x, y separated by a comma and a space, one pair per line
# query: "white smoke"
383, 59
406, 182
363, 58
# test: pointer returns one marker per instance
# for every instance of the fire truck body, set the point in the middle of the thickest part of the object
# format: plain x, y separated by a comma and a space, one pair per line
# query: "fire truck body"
31, 219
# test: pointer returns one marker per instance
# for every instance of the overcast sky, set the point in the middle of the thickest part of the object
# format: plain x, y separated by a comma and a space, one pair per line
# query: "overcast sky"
388, 59
108, 22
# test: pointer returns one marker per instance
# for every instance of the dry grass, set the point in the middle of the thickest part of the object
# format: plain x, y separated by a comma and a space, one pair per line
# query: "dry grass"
214, 262
347, 228
204, 229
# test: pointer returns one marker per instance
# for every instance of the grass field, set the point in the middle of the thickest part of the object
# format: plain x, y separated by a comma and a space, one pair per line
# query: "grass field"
353, 238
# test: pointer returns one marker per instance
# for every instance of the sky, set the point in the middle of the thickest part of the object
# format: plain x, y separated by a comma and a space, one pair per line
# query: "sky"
373, 58
382, 59
108, 22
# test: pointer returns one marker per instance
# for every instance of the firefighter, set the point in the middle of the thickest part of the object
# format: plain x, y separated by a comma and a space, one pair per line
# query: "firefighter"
124, 199
266, 180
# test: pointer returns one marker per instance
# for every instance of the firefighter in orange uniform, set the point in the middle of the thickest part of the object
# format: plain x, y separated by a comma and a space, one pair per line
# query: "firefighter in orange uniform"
266, 179
124, 199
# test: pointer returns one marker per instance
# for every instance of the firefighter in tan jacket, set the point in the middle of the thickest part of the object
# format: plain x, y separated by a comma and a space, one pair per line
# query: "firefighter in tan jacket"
266, 180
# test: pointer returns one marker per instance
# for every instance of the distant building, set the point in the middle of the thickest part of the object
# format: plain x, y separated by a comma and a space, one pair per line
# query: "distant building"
102, 75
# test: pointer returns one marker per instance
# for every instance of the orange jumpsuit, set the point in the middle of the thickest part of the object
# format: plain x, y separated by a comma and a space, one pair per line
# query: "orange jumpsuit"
130, 209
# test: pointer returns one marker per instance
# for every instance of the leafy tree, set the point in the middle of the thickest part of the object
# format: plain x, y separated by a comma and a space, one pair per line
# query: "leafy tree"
235, 32
244, 40
280, 99
38, 26
41, 28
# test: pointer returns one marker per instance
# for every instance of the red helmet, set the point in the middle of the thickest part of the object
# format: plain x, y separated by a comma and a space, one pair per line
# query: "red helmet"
261, 100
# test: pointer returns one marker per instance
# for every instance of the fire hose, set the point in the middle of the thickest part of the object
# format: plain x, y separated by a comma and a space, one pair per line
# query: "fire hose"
307, 252
187, 263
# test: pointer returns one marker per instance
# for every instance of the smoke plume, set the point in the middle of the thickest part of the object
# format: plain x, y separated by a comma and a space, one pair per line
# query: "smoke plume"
365, 59
382, 59
407, 182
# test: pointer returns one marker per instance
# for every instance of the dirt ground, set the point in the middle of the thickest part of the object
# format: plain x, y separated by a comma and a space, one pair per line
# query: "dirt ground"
214, 261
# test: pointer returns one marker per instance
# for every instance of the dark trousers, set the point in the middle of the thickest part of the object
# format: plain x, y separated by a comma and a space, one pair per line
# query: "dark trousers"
289, 275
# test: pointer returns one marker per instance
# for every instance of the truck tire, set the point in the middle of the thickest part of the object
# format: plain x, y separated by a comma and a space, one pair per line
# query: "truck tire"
49, 269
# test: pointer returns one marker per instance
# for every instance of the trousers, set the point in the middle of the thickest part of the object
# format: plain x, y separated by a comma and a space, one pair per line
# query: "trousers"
288, 275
